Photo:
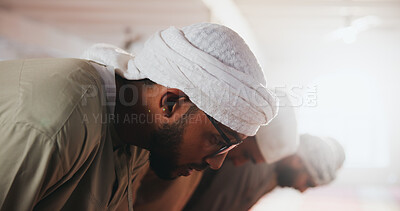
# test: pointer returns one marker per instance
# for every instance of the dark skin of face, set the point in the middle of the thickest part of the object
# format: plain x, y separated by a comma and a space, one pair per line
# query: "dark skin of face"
159, 106
291, 172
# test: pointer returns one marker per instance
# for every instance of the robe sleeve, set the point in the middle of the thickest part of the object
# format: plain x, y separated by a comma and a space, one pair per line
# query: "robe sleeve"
30, 163
45, 139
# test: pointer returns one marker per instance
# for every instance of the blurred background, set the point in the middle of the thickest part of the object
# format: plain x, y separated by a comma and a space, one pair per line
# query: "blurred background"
339, 60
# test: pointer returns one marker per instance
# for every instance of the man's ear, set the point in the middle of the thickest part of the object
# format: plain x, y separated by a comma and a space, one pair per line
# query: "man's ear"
171, 101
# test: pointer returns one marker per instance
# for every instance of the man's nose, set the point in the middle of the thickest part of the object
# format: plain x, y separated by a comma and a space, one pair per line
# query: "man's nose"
216, 162
302, 189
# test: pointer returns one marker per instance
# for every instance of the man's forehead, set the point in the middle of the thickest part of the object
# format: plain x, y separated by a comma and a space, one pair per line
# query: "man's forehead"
232, 133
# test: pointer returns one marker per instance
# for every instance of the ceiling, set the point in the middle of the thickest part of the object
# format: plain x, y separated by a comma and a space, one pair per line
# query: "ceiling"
118, 22
68, 26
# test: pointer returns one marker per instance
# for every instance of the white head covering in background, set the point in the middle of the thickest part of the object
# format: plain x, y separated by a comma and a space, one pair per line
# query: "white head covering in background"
279, 138
210, 63
322, 157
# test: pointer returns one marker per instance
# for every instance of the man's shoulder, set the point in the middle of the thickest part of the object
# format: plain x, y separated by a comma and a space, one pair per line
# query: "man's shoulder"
48, 67
54, 105
51, 89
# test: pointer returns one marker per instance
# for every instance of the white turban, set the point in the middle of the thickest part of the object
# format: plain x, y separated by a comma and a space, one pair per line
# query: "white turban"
279, 138
322, 157
210, 63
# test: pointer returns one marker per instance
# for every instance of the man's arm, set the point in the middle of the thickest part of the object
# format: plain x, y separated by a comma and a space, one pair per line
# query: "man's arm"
30, 164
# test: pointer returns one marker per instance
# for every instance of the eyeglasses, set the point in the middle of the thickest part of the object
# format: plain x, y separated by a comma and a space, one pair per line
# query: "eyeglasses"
229, 145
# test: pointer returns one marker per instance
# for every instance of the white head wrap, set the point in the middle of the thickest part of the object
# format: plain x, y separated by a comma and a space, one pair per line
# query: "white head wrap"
322, 157
279, 138
210, 63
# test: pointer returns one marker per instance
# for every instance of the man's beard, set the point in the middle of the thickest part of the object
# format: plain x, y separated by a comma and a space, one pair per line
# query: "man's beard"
164, 147
285, 175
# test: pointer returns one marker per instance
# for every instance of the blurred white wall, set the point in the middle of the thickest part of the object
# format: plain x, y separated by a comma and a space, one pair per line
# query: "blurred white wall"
68, 27
340, 62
